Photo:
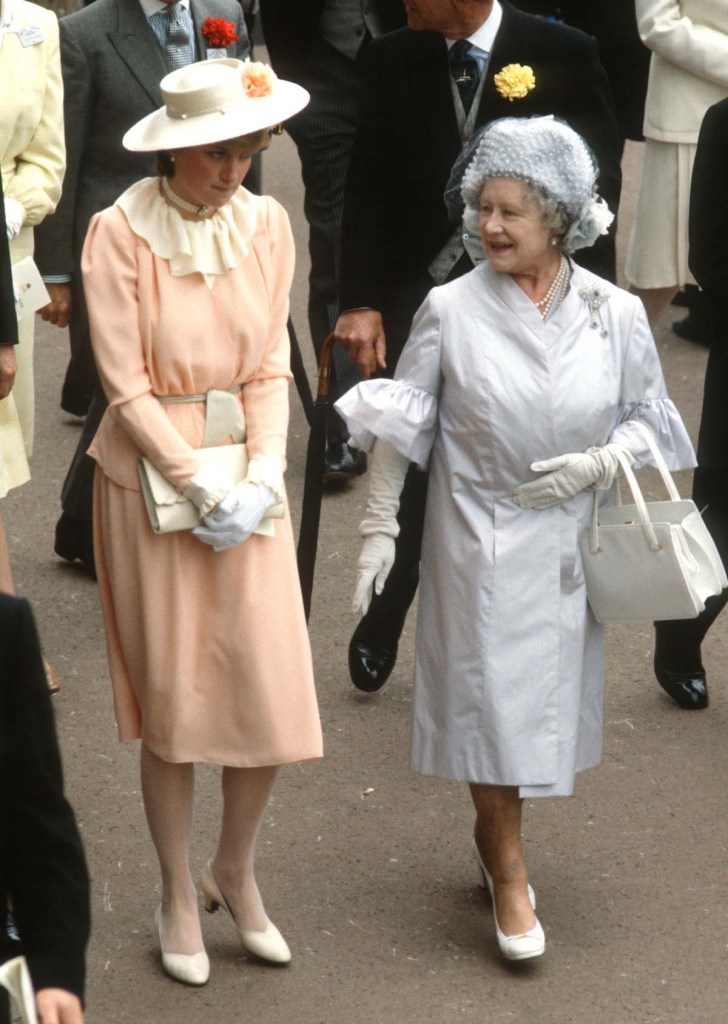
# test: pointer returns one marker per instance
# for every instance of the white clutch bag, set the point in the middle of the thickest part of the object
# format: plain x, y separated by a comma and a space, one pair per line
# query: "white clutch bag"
649, 560
170, 511
15, 977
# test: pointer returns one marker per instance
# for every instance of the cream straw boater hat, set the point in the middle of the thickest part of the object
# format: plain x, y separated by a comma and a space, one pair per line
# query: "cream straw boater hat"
215, 100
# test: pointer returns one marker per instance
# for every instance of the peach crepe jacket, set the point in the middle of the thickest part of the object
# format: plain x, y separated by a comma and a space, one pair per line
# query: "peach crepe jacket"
134, 300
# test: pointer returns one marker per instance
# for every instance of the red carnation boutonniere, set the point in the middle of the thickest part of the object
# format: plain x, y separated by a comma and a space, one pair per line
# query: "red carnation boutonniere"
219, 33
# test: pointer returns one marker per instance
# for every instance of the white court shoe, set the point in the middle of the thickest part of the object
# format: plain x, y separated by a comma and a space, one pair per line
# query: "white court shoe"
513, 947
268, 945
190, 970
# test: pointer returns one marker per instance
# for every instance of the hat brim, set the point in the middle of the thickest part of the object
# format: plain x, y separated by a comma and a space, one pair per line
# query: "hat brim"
159, 131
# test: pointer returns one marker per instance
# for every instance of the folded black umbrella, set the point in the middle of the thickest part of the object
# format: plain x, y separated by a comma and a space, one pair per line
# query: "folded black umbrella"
299, 374
313, 479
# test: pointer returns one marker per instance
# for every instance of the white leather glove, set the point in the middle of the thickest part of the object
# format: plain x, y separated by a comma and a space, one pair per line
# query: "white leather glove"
386, 477
236, 517
14, 217
567, 475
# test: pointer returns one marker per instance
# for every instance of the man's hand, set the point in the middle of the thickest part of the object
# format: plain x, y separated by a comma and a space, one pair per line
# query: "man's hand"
7, 369
58, 310
361, 332
56, 1006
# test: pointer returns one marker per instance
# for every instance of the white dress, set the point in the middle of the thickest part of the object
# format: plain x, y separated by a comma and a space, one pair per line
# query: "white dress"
509, 659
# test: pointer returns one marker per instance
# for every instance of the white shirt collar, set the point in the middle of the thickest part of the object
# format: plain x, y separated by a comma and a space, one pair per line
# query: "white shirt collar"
151, 7
483, 37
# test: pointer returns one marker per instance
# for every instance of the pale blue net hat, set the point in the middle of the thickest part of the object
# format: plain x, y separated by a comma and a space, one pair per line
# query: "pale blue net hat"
544, 152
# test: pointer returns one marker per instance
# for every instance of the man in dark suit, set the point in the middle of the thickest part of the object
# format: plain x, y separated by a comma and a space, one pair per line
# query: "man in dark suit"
397, 238
678, 661
8, 321
320, 45
42, 866
625, 58
114, 54
8, 341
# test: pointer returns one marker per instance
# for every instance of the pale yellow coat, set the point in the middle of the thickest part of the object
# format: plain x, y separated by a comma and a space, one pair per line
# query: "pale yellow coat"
32, 157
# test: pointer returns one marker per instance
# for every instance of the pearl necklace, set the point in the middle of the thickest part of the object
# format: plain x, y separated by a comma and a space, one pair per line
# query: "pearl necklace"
199, 211
556, 288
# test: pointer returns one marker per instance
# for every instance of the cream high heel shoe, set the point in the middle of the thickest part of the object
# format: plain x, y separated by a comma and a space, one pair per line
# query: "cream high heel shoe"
268, 945
513, 947
190, 970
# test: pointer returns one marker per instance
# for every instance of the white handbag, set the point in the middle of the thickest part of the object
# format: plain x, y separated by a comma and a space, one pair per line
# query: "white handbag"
649, 560
170, 511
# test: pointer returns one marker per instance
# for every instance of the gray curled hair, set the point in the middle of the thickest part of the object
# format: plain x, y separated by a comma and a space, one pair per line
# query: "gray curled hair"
552, 160
555, 216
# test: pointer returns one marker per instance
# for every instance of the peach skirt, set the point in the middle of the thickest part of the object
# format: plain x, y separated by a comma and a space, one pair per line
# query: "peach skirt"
208, 652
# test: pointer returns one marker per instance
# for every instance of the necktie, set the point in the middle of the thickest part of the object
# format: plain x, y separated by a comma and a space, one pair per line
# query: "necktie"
464, 69
177, 48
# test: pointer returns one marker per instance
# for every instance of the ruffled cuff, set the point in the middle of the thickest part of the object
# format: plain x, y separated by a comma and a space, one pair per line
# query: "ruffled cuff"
206, 490
394, 411
668, 429
268, 471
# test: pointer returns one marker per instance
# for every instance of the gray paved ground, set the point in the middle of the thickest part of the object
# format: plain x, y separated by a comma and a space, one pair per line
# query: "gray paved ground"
376, 893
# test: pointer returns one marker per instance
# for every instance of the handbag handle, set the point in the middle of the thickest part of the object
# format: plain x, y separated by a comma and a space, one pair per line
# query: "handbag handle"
637, 495
657, 455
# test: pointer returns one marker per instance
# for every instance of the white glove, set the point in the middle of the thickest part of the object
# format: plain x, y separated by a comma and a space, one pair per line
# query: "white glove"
376, 559
386, 477
14, 217
567, 475
236, 517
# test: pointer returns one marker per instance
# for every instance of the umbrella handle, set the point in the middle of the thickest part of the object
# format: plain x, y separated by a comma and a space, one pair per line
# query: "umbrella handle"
324, 376
325, 367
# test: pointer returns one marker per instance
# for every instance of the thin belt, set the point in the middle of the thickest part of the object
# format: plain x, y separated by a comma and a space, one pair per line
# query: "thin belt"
224, 416
202, 397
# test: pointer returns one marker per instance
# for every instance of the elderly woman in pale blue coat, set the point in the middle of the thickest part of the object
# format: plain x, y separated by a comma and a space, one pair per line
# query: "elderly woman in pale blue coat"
520, 384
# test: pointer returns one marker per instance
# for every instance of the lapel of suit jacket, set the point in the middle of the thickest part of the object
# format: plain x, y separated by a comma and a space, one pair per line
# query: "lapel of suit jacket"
137, 46
201, 10
427, 65
510, 47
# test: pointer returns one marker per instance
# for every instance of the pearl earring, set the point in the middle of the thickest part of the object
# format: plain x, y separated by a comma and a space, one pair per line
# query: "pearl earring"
554, 241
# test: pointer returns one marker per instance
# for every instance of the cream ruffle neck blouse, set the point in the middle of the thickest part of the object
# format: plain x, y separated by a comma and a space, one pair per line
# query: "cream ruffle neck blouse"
211, 247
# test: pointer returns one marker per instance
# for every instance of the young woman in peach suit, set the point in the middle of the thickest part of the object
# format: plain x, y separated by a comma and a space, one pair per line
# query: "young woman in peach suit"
187, 279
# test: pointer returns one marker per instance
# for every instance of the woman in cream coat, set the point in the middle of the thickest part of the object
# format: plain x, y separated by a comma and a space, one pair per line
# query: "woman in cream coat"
32, 156
688, 74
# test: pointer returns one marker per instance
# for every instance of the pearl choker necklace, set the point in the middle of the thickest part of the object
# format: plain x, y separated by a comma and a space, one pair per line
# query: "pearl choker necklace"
199, 211
556, 288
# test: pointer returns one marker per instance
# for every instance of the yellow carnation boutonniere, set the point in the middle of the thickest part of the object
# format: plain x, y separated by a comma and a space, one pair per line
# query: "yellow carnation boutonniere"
515, 81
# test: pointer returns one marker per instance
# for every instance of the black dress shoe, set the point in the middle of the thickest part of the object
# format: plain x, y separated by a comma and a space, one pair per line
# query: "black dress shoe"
343, 463
75, 543
370, 666
74, 402
688, 689
692, 328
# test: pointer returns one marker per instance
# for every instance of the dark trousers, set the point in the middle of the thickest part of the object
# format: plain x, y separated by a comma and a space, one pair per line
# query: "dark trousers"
78, 487
324, 135
678, 643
